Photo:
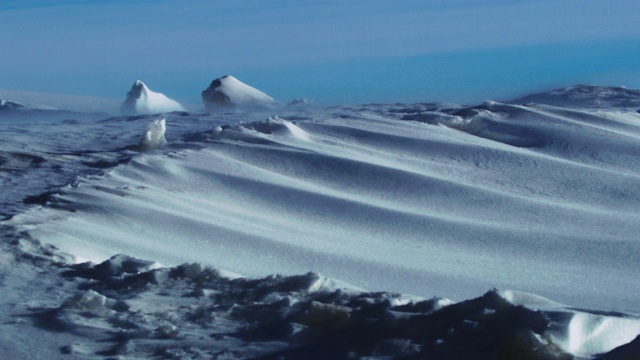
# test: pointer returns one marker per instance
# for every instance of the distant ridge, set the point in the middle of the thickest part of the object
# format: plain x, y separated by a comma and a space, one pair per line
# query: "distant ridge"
585, 96
10, 109
78, 103
14, 105
229, 91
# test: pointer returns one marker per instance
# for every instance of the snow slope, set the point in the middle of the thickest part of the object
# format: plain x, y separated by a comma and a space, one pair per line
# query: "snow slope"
229, 91
141, 100
421, 199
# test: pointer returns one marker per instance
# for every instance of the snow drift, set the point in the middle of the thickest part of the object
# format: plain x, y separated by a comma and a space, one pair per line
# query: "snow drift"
422, 199
229, 91
141, 100
8, 105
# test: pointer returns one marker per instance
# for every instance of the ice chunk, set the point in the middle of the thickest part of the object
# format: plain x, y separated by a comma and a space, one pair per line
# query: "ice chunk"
92, 302
154, 136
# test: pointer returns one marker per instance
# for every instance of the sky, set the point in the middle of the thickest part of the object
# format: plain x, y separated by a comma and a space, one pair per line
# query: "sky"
331, 52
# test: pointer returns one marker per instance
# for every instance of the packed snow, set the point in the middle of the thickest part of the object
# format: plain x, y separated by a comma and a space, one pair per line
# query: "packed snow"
509, 204
229, 91
141, 100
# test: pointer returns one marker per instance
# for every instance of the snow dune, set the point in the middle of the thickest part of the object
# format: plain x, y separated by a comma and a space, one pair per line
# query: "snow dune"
420, 199
385, 204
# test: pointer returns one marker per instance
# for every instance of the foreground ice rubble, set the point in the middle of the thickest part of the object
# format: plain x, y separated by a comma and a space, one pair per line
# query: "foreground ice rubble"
132, 308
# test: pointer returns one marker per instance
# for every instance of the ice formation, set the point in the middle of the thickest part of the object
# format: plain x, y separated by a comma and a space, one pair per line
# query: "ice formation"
141, 100
229, 91
154, 136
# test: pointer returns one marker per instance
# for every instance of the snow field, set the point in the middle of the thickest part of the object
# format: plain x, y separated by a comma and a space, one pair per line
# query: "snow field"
416, 199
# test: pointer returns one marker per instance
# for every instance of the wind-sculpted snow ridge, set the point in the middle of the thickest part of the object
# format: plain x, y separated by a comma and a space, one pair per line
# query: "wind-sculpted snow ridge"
141, 100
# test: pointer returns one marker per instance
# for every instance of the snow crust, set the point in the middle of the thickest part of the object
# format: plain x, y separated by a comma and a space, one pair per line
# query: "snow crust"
141, 100
229, 91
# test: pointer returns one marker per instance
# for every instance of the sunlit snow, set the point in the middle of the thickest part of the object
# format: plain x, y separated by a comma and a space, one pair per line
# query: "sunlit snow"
536, 199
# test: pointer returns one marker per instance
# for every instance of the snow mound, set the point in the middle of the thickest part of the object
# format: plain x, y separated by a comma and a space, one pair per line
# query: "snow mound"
275, 126
229, 91
588, 334
141, 100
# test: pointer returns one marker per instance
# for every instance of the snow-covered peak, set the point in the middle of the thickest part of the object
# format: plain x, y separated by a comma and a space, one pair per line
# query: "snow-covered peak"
229, 91
141, 100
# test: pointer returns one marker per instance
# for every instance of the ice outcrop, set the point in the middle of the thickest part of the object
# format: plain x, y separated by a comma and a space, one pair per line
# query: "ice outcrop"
141, 100
229, 91
154, 136
14, 105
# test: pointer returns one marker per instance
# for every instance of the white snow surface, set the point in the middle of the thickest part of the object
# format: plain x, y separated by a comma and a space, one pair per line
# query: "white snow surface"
421, 199
141, 100
228, 90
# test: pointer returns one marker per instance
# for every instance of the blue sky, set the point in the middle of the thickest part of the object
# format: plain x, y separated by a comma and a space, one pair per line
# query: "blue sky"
327, 51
